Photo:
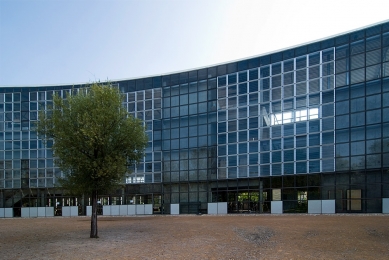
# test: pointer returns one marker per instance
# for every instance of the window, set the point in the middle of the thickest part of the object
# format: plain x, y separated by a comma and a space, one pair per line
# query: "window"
294, 116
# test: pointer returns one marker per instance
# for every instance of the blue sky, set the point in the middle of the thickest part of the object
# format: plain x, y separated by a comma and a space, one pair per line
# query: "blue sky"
66, 42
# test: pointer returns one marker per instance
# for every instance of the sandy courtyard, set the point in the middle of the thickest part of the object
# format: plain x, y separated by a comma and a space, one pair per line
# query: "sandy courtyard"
198, 237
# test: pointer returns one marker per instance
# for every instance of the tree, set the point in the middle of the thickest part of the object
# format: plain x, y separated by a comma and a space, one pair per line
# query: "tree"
94, 139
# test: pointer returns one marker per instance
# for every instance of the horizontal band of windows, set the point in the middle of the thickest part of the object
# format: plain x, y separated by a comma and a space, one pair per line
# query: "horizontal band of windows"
291, 116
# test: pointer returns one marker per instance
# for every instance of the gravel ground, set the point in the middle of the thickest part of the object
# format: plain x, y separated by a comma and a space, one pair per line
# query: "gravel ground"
198, 237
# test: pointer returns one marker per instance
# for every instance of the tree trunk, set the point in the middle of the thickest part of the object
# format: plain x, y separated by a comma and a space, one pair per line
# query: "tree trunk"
93, 222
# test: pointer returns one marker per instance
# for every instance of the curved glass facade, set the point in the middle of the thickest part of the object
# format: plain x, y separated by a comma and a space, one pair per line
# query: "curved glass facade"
289, 131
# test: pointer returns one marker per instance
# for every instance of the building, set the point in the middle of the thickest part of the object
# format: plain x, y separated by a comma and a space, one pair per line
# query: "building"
305, 129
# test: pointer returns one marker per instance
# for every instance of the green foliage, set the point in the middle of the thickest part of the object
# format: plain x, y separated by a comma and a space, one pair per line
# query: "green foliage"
95, 139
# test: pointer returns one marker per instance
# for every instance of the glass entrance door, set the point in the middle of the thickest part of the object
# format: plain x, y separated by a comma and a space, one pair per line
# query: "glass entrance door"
244, 202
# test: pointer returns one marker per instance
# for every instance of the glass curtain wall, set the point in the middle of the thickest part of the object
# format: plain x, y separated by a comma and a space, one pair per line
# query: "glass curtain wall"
277, 119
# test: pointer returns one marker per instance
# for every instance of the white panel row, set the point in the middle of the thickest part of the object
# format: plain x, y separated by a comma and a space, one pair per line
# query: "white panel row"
314, 207
124, 210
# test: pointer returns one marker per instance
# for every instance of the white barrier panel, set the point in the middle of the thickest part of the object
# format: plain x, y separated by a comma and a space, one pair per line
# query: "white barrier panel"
174, 209
328, 206
148, 209
385, 205
33, 212
217, 208
49, 211
25, 212
41, 212
123, 209
70, 211
131, 210
314, 206
212, 208
140, 209
2, 212
89, 210
65, 211
276, 207
8, 213
74, 211
222, 207
106, 210
115, 210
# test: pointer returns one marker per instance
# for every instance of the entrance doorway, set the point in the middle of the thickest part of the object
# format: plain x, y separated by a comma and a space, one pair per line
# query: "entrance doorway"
247, 202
